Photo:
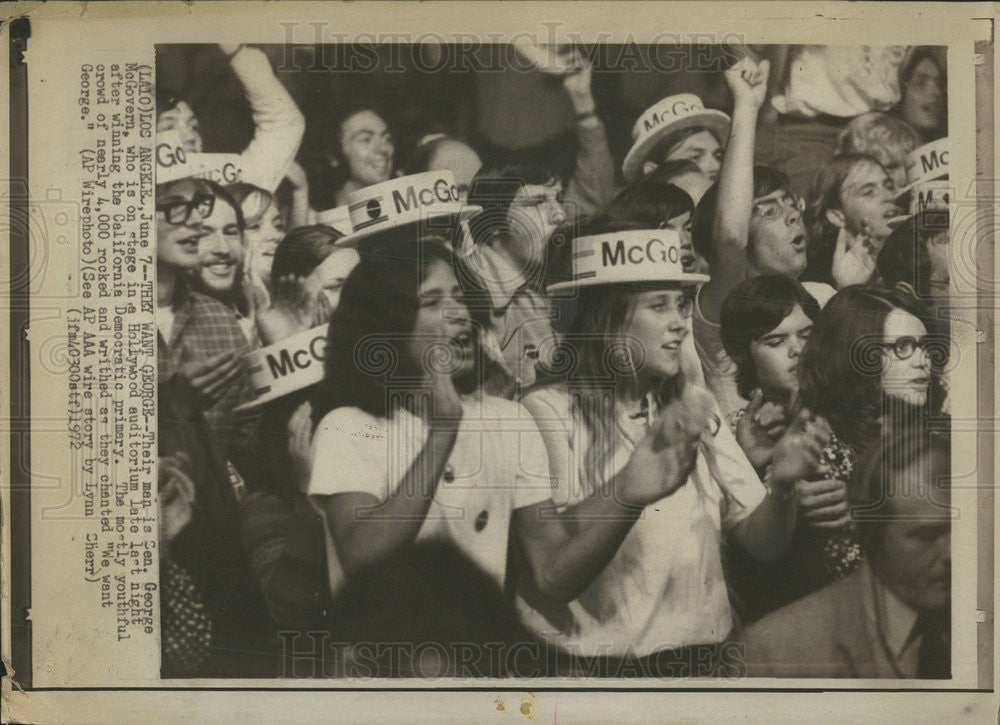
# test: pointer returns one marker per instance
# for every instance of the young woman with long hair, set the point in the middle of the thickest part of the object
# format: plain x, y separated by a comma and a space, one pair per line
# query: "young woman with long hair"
872, 356
924, 103
407, 447
624, 412
264, 226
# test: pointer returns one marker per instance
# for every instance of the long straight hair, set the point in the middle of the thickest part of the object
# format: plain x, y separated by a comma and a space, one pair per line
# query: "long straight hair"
599, 361
324, 161
370, 329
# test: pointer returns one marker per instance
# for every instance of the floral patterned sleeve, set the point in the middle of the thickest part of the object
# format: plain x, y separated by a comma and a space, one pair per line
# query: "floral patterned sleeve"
841, 551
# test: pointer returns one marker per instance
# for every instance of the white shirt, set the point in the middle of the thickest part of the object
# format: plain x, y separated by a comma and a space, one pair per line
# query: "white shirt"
278, 123
498, 464
665, 586
165, 320
720, 370
841, 80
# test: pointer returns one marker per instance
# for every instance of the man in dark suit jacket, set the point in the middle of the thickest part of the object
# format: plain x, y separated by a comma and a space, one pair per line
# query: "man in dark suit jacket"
891, 618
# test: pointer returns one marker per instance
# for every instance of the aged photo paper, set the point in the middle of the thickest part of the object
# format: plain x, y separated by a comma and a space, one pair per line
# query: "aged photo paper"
494, 362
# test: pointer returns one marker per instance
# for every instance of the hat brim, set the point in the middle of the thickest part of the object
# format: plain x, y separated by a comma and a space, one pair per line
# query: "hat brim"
269, 396
716, 122
461, 212
684, 279
904, 190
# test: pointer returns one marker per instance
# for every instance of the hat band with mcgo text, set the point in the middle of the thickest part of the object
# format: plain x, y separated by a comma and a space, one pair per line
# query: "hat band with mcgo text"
927, 176
645, 255
286, 366
670, 115
430, 197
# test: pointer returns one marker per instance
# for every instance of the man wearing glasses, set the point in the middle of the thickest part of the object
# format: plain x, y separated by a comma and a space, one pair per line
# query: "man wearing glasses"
199, 346
200, 350
748, 224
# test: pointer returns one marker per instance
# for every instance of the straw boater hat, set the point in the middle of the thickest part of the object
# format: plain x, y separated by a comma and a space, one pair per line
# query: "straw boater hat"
286, 366
672, 114
645, 255
429, 199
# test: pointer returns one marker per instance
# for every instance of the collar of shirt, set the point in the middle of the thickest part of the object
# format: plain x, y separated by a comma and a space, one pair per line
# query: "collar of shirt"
635, 422
499, 275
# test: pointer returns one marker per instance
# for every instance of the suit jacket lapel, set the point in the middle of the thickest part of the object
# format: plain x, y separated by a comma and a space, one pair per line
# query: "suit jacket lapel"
854, 635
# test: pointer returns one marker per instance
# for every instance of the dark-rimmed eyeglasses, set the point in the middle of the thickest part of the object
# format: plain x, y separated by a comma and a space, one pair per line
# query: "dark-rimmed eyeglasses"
904, 347
179, 212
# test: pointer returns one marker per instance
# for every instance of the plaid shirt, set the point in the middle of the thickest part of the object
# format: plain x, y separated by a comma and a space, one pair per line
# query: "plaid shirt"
204, 327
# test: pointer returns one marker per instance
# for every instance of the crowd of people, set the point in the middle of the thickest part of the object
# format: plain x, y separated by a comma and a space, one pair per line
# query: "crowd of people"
458, 408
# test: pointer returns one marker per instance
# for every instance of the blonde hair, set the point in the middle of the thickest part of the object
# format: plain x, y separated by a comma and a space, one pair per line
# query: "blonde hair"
888, 138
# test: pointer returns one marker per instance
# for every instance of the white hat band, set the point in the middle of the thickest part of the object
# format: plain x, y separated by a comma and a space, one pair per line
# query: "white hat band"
934, 194
927, 162
647, 255
666, 112
401, 201
408, 200
286, 366
173, 162
674, 113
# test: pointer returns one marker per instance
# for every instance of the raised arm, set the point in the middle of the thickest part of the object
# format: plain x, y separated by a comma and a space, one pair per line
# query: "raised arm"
278, 123
592, 185
778, 56
731, 225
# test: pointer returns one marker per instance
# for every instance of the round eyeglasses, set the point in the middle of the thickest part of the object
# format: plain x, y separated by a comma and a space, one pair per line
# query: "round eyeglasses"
904, 347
